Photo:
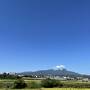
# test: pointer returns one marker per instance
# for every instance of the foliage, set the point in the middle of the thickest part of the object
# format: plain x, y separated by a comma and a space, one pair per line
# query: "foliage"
19, 84
50, 83
33, 84
76, 85
47, 83
7, 76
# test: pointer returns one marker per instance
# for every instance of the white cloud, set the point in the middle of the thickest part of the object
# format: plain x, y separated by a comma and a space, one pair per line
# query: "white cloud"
61, 67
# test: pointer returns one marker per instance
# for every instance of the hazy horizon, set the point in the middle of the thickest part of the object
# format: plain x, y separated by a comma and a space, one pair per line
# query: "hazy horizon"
42, 34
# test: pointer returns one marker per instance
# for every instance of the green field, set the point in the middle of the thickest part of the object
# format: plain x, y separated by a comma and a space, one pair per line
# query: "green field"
27, 81
63, 89
5, 81
49, 89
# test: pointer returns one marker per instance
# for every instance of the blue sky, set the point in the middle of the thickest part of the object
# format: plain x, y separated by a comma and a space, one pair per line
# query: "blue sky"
41, 34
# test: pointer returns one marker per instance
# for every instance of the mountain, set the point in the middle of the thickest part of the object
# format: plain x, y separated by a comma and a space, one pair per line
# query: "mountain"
53, 72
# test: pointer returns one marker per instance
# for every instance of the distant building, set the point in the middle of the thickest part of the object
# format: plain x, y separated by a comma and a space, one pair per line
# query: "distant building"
56, 77
85, 80
12, 73
59, 78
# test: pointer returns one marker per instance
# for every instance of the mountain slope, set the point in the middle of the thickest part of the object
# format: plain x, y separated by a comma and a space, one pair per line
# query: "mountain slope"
52, 72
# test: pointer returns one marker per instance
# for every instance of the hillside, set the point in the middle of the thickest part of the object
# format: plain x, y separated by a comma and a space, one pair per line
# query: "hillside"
53, 72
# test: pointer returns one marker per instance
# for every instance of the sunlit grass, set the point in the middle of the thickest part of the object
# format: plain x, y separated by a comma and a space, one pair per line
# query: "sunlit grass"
50, 89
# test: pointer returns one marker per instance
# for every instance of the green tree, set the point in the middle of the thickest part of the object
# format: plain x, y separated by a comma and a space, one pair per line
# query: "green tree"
19, 84
50, 83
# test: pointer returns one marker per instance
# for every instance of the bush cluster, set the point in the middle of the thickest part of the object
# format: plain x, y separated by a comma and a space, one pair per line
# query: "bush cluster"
50, 83
19, 84
8, 76
33, 85
76, 85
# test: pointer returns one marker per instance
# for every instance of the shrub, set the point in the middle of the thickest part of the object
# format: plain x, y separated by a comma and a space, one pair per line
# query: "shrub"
8, 85
76, 85
19, 84
50, 83
34, 84
1, 84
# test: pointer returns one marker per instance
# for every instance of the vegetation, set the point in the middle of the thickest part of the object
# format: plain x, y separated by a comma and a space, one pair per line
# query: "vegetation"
51, 89
19, 84
33, 85
16, 82
64, 89
8, 76
50, 83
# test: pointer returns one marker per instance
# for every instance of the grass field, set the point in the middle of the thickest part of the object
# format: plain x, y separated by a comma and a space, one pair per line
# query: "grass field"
49, 89
28, 81
64, 89
10, 80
